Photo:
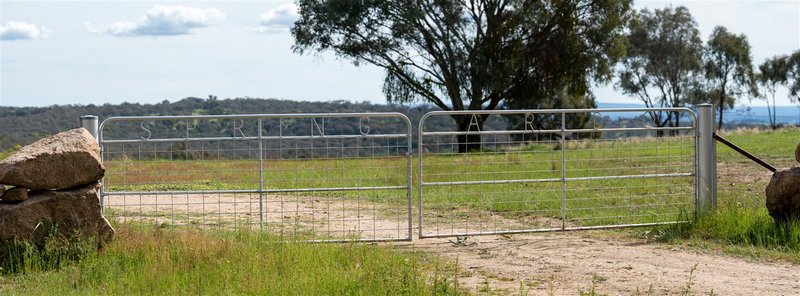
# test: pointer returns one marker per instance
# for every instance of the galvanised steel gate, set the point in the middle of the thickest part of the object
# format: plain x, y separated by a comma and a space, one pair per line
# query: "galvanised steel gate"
328, 177
541, 174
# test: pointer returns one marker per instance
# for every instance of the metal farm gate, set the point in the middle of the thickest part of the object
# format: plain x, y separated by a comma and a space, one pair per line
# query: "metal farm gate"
348, 176
541, 174
325, 177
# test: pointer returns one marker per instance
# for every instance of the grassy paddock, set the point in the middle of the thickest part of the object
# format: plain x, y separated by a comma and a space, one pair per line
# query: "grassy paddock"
167, 261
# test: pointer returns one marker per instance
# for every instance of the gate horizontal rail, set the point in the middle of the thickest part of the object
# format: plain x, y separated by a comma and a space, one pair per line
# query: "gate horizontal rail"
316, 176
545, 175
555, 179
580, 130
255, 191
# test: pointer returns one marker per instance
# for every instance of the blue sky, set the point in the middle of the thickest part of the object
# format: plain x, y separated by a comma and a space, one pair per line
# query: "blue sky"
111, 52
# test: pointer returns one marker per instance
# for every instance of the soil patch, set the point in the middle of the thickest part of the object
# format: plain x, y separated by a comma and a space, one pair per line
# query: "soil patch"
573, 262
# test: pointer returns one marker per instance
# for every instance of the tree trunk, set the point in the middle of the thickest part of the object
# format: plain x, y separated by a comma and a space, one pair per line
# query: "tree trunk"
720, 107
469, 142
774, 114
771, 113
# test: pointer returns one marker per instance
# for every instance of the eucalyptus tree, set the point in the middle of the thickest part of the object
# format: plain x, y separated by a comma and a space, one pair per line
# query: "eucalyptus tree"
471, 54
793, 76
729, 70
772, 74
663, 65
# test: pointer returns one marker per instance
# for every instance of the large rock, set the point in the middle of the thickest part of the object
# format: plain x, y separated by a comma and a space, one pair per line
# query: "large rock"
61, 161
64, 213
13, 195
783, 195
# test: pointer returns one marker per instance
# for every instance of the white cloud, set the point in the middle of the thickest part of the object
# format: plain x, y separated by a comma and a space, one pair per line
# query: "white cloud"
163, 20
278, 20
21, 31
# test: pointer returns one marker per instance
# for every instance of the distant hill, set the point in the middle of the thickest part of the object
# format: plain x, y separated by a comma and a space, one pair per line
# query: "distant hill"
23, 125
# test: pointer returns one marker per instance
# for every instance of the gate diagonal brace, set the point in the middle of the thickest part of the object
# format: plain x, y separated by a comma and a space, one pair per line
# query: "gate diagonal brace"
745, 153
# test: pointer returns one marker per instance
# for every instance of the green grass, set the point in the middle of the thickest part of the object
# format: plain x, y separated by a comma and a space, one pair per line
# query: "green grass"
749, 233
740, 223
169, 261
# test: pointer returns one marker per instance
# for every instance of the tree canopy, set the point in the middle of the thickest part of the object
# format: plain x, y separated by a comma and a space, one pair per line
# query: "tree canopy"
771, 74
729, 70
793, 76
663, 65
471, 54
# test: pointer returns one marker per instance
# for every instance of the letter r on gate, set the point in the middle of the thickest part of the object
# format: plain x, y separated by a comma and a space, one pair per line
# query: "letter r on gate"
529, 122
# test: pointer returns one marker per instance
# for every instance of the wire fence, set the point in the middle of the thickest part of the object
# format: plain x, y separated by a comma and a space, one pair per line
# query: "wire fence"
314, 176
547, 176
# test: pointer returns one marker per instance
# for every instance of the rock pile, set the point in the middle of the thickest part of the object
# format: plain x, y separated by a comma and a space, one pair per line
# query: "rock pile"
55, 183
783, 193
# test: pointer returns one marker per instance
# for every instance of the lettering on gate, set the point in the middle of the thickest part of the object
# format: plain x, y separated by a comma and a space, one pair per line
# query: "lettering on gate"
190, 125
529, 117
320, 128
362, 127
474, 122
238, 128
149, 134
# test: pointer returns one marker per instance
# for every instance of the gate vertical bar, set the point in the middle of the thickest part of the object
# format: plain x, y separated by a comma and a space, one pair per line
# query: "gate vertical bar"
563, 170
410, 179
90, 123
420, 185
260, 176
707, 159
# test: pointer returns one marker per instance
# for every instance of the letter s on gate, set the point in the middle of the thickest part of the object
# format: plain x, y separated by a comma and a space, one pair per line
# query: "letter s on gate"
149, 134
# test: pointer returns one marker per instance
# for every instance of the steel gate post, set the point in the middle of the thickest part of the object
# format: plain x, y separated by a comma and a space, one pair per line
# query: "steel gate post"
706, 159
89, 122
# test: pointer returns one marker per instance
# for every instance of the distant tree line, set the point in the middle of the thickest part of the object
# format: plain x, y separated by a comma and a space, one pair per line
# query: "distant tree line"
23, 125
668, 65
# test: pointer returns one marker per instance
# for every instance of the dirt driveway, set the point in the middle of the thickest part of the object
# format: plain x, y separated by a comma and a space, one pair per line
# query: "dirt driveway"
581, 262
